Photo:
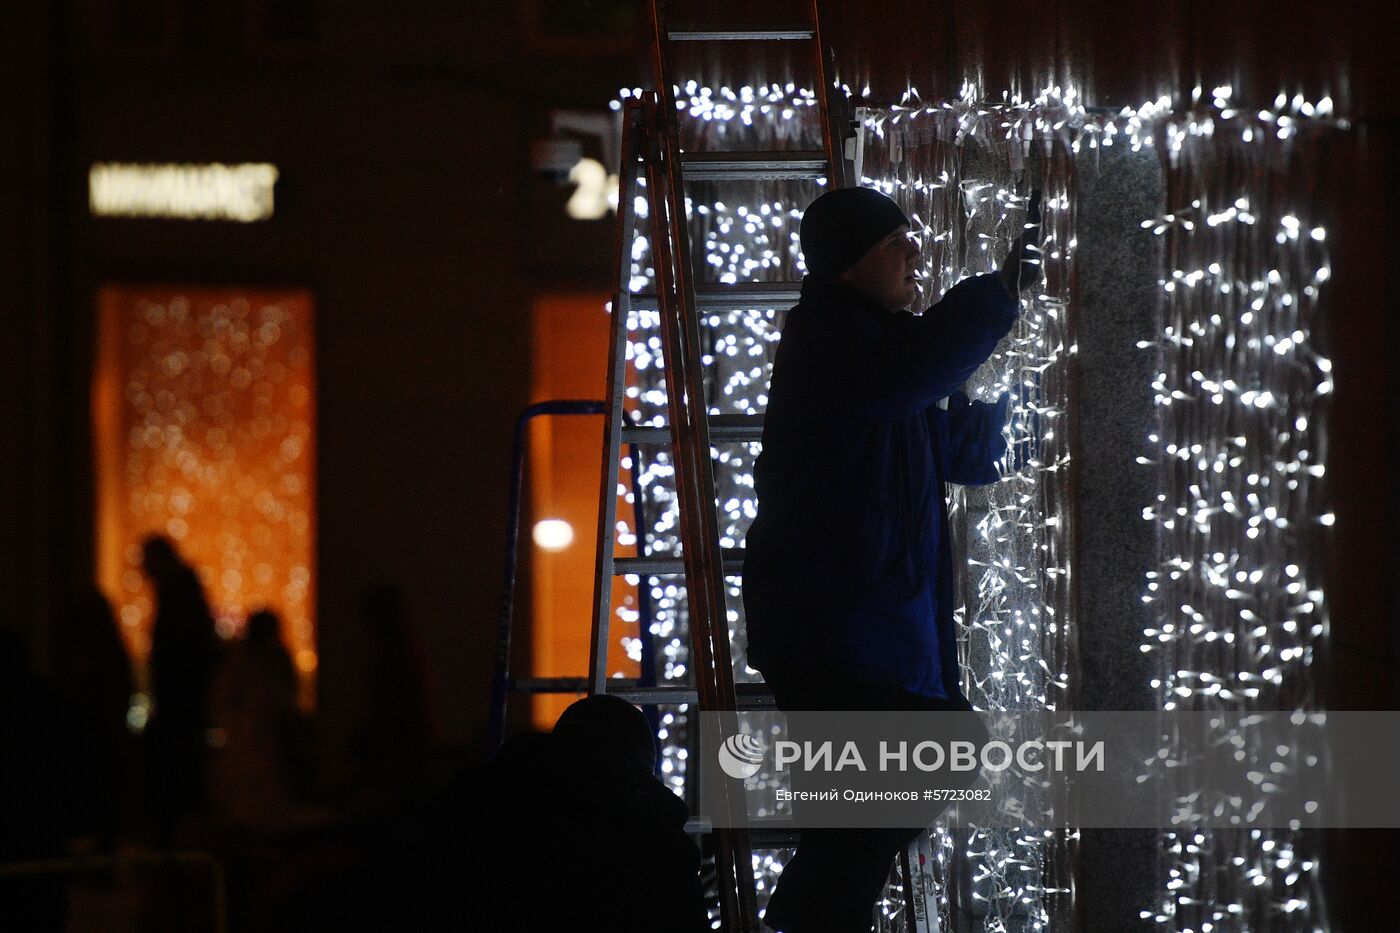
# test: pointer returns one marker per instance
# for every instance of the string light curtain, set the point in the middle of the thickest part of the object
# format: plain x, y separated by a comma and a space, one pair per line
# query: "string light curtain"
746, 232
1240, 452
962, 168
963, 173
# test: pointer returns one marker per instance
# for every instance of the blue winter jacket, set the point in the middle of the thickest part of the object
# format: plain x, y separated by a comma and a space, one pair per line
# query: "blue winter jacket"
847, 564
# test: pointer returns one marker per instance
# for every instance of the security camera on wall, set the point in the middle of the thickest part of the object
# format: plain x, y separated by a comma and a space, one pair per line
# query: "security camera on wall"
555, 157
560, 158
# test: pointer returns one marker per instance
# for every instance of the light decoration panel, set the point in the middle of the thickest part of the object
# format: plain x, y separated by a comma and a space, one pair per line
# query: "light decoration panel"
963, 172
966, 203
1242, 395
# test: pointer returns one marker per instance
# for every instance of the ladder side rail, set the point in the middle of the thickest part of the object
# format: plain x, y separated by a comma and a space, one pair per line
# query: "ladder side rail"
500, 674
645, 614
667, 215
501, 681
833, 131
689, 415
673, 369
921, 915
617, 395
709, 629
647, 679
689, 410
704, 567
673, 354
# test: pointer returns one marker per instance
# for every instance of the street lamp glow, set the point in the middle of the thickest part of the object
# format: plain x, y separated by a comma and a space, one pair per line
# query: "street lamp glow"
553, 534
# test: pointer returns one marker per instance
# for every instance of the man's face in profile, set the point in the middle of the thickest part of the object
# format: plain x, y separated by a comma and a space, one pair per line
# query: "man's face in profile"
886, 272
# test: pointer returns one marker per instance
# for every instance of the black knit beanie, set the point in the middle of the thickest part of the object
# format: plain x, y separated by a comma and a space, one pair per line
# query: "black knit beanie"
610, 729
841, 225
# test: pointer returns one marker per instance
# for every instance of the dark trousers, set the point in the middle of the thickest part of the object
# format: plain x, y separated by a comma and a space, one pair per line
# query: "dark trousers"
832, 881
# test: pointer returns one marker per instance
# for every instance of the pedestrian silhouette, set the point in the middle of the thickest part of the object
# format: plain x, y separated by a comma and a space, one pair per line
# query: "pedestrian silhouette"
92, 679
395, 728
184, 652
572, 831
37, 790
255, 708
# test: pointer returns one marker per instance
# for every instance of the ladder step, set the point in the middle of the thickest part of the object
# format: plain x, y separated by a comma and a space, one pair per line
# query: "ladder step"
746, 696
739, 35
733, 560
745, 166
728, 297
759, 838
549, 684
722, 428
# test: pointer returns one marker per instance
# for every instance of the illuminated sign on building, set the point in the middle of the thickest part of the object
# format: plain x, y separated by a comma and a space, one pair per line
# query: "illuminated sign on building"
241, 193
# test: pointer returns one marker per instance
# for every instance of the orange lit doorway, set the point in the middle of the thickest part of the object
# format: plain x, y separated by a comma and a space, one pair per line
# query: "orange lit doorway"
570, 334
204, 409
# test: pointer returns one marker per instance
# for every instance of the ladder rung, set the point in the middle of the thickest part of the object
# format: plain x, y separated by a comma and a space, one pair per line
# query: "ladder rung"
759, 838
738, 35
798, 163
722, 428
742, 295
736, 427
549, 684
733, 560
773, 838
746, 696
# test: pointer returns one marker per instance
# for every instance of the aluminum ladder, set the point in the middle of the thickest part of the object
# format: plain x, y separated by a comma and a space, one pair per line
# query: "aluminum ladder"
651, 151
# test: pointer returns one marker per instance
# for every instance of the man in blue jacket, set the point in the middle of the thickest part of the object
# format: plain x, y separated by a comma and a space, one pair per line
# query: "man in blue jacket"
848, 573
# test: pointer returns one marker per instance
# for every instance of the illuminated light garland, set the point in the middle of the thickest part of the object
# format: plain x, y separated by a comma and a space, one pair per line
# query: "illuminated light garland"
1020, 632
1242, 399
963, 172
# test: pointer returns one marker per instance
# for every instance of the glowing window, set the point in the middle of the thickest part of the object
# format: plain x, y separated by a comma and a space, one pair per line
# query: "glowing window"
204, 430
570, 335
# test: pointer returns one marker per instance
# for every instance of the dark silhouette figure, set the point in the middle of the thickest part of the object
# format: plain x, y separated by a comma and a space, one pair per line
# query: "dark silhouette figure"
184, 653
37, 791
256, 707
568, 830
92, 678
572, 831
265, 646
396, 725
849, 580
